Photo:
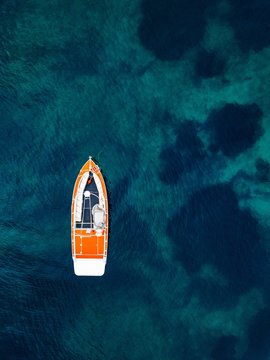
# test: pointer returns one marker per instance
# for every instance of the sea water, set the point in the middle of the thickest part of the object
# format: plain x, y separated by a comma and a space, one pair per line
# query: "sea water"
171, 98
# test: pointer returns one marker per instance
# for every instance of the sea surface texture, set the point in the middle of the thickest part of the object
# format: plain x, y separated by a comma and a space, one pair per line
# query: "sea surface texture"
171, 98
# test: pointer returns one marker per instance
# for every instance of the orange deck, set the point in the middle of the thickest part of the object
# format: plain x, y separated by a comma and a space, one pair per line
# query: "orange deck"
85, 244
89, 245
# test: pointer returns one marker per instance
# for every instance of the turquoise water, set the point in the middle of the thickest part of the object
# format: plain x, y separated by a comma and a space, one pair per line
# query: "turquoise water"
172, 100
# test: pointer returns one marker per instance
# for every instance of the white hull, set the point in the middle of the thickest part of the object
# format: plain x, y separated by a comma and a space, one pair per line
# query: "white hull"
89, 267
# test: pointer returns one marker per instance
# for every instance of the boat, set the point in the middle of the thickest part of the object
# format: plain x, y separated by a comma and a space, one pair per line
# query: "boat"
89, 221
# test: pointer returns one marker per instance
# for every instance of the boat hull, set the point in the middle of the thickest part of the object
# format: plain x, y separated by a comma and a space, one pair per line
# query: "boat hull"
89, 222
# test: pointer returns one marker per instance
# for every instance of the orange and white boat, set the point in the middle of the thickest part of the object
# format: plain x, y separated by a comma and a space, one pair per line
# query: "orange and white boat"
89, 222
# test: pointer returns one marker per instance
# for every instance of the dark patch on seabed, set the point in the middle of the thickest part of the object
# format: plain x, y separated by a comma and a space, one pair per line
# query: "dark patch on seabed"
224, 348
250, 22
263, 170
211, 229
169, 28
209, 64
235, 128
259, 336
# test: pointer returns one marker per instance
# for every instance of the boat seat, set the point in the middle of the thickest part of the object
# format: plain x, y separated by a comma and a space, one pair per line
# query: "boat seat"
98, 216
79, 198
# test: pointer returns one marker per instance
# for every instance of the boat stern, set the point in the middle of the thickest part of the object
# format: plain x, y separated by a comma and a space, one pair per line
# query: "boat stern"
89, 267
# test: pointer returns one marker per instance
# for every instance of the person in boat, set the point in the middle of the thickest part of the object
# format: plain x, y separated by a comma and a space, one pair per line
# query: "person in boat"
89, 180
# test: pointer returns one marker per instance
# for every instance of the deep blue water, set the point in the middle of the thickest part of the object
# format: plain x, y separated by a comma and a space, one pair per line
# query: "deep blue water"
171, 99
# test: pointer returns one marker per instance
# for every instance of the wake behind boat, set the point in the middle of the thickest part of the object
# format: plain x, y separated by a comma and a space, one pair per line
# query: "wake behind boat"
89, 222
